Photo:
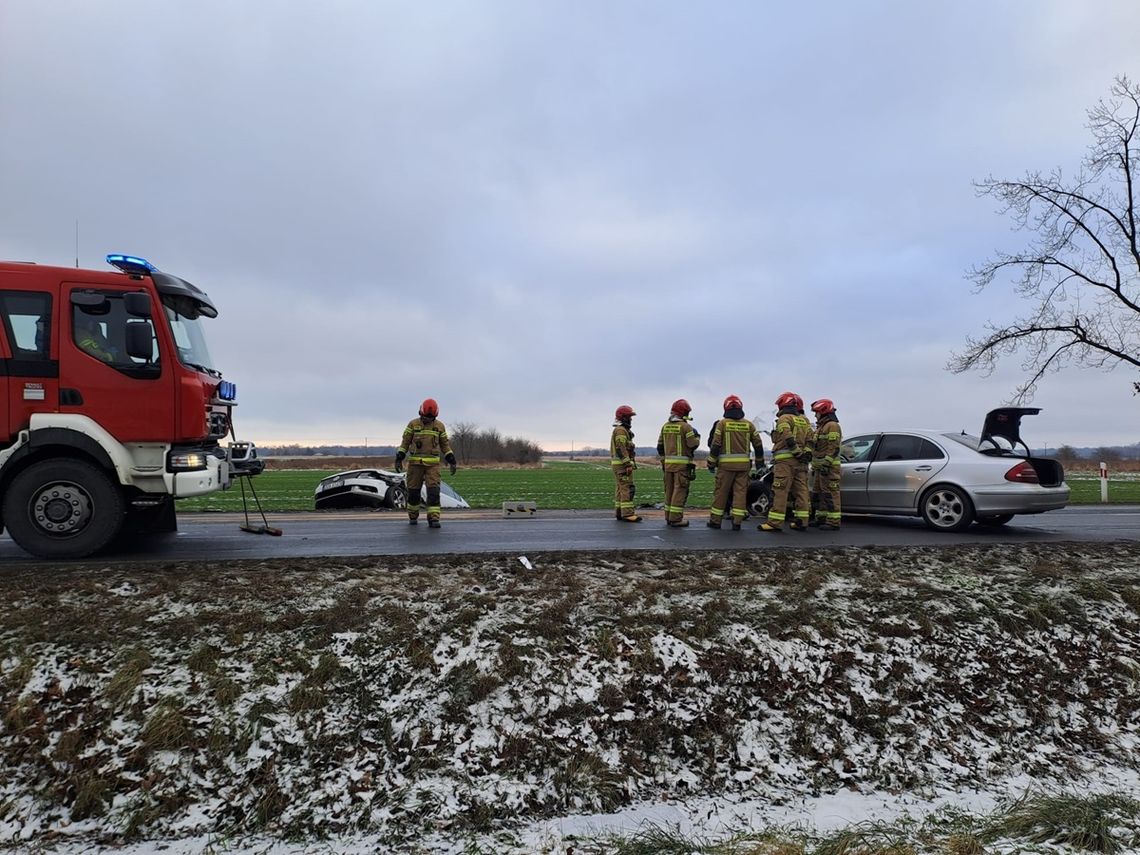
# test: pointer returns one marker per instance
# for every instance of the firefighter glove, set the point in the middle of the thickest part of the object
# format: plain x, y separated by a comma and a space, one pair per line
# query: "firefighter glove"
400, 461
450, 458
711, 466
453, 467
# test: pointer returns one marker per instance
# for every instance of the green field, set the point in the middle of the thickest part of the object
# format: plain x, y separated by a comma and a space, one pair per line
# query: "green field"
559, 484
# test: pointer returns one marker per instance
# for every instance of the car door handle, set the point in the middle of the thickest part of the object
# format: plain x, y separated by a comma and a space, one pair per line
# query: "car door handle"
862, 470
923, 468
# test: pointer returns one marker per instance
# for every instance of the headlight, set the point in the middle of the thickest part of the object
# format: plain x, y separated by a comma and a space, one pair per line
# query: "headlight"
186, 461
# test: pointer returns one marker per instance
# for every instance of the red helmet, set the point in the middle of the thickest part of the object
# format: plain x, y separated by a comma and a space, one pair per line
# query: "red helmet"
823, 406
681, 408
624, 412
799, 403
733, 401
788, 399
429, 408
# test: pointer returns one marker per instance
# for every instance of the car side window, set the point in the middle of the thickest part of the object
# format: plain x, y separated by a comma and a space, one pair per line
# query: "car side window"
857, 449
929, 451
898, 446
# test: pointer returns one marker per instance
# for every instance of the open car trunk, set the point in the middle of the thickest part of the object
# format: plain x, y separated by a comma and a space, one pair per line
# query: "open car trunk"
1004, 423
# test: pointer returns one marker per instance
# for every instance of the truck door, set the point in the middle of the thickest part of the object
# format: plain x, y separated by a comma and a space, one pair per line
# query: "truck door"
129, 396
30, 375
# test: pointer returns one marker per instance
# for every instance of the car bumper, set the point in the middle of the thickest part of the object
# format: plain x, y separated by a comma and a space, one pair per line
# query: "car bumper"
1029, 500
216, 476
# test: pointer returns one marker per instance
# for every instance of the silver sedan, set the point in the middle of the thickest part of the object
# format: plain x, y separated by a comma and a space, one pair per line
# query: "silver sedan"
951, 479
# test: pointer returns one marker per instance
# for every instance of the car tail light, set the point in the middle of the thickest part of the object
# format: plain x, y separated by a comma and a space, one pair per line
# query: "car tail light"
1023, 473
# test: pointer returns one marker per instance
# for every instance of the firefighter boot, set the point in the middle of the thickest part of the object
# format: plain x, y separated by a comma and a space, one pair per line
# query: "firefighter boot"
433, 523
770, 528
630, 518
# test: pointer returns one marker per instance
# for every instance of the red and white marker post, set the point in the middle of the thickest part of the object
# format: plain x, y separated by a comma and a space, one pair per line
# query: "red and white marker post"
1103, 482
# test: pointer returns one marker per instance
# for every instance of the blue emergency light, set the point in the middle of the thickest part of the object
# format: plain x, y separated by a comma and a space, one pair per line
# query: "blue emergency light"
227, 391
131, 264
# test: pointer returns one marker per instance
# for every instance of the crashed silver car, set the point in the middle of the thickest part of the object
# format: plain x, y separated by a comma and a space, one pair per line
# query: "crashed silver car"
951, 479
375, 488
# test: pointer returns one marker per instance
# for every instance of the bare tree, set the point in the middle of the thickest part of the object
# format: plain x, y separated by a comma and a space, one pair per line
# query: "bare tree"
1081, 269
462, 437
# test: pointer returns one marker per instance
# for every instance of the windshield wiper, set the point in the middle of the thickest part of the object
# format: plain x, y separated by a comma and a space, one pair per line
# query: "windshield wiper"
211, 371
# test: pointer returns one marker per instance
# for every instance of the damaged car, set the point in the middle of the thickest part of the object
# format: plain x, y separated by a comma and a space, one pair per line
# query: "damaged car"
375, 488
951, 479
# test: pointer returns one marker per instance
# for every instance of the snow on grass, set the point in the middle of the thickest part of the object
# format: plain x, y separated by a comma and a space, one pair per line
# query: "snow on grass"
466, 697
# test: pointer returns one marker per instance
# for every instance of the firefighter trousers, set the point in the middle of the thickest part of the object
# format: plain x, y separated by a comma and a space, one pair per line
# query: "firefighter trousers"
623, 492
418, 476
825, 498
676, 493
730, 484
789, 482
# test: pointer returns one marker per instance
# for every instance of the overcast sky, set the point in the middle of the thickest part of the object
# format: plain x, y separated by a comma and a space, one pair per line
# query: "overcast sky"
536, 211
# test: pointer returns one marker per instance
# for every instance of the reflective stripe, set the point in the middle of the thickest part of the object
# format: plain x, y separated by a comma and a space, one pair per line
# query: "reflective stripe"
734, 458
738, 513
717, 512
775, 517
684, 460
423, 461
673, 509
782, 455
616, 462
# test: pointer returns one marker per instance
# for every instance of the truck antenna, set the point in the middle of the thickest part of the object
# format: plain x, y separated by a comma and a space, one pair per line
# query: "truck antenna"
76, 241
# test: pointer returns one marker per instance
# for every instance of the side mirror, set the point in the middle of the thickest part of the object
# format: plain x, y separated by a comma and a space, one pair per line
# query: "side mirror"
137, 304
140, 340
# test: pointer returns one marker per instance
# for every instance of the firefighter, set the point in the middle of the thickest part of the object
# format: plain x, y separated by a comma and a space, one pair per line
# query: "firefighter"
91, 339
789, 448
729, 459
801, 480
622, 461
425, 440
676, 445
825, 465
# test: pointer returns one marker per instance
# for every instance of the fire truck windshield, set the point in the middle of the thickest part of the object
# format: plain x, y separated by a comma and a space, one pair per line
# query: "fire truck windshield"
189, 337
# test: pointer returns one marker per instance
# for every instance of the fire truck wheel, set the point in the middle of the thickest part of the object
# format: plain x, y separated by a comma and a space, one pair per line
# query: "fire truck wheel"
63, 509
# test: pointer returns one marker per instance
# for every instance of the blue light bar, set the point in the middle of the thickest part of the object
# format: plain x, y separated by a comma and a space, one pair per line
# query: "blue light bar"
131, 264
227, 391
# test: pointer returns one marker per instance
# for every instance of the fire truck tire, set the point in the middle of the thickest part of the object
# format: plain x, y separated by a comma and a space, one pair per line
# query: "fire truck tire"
63, 509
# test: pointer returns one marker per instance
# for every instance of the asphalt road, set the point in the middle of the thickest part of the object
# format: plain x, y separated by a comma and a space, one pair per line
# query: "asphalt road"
217, 536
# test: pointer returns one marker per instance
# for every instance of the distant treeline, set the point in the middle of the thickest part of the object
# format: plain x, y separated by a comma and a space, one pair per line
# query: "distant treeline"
470, 443
474, 444
1107, 453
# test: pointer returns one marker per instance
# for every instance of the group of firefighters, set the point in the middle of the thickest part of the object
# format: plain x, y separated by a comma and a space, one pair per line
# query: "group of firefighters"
801, 455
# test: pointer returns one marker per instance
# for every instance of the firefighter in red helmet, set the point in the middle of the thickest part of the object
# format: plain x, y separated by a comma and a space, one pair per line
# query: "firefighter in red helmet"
825, 465
733, 438
425, 441
676, 444
622, 454
790, 437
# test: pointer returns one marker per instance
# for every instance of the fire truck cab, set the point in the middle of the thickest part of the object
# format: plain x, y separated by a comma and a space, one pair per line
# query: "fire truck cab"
110, 406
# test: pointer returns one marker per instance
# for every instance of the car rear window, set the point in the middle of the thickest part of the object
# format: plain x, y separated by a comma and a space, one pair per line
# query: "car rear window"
971, 442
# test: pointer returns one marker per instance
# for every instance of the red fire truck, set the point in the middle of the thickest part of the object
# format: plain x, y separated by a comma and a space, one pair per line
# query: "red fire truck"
110, 406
